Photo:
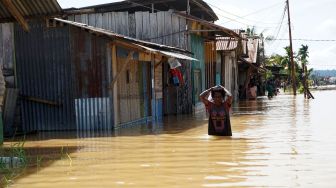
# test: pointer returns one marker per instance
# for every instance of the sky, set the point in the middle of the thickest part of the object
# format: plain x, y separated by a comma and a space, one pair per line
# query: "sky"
311, 19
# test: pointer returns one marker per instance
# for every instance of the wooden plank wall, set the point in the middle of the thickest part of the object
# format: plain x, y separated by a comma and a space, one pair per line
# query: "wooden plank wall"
129, 94
161, 27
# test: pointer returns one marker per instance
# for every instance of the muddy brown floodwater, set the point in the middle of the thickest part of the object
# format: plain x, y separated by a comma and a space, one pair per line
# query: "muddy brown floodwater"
283, 142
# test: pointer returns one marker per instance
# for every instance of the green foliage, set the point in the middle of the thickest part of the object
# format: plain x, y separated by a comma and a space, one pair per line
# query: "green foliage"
303, 54
301, 89
269, 75
12, 162
284, 62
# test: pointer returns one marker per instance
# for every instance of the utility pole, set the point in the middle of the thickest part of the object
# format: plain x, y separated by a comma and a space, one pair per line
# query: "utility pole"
291, 51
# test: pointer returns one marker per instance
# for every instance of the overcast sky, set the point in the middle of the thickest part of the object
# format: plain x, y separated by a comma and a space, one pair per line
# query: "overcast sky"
311, 19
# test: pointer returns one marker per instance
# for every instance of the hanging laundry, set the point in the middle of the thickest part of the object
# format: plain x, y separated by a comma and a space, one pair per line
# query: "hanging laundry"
177, 77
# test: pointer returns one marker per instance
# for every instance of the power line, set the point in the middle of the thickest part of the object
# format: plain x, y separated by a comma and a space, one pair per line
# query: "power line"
282, 19
243, 17
150, 8
308, 40
260, 10
319, 65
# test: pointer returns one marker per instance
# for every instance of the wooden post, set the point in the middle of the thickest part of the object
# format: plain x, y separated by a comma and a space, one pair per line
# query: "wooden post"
114, 86
305, 89
306, 79
16, 14
291, 51
153, 87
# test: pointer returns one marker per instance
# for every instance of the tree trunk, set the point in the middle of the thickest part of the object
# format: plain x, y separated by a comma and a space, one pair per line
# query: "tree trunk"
304, 83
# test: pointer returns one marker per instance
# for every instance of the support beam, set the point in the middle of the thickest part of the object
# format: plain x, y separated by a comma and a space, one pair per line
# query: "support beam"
114, 87
124, 66
154, 115
16, 14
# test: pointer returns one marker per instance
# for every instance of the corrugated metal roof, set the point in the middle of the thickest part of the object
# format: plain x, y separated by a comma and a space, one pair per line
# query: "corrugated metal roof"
226, 31
29, 8
226, 44
149, 46
170, 54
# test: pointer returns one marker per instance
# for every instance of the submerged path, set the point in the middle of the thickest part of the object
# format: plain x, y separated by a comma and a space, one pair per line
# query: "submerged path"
283, 142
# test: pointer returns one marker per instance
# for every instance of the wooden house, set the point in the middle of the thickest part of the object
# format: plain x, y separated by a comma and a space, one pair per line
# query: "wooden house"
71, 76
180, 23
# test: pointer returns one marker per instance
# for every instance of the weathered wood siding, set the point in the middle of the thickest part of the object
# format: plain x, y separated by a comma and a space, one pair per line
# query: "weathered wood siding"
161, 27
129, 92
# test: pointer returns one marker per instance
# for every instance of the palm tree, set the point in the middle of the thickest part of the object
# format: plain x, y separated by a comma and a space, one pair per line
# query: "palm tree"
303, 57
303, 54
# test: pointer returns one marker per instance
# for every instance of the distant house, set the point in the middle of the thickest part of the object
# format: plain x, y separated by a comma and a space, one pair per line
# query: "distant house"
229, 52
240, 63
251, 66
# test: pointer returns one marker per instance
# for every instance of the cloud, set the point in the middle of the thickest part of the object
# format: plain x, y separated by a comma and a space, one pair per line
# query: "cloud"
323, 59
328, 26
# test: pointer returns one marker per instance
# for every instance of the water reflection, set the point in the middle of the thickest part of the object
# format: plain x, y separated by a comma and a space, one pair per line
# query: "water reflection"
283, 142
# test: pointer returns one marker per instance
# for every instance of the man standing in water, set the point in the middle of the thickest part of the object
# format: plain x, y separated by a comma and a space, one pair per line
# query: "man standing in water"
218, 108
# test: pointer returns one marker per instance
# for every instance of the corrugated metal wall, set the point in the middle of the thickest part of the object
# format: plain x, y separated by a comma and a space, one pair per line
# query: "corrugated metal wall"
91, 75
63, 77
44, 78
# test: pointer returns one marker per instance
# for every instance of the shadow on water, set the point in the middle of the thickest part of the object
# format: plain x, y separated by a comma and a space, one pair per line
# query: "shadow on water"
168, 125
35, 160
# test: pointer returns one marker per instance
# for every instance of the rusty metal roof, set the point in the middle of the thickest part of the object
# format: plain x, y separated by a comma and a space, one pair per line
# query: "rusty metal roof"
144, 45
226, 44
30, 8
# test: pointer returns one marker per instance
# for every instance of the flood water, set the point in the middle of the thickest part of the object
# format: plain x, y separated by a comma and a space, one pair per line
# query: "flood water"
283, 142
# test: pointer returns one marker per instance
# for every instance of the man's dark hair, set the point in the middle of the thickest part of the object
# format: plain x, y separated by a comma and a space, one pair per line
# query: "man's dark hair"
221, 91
